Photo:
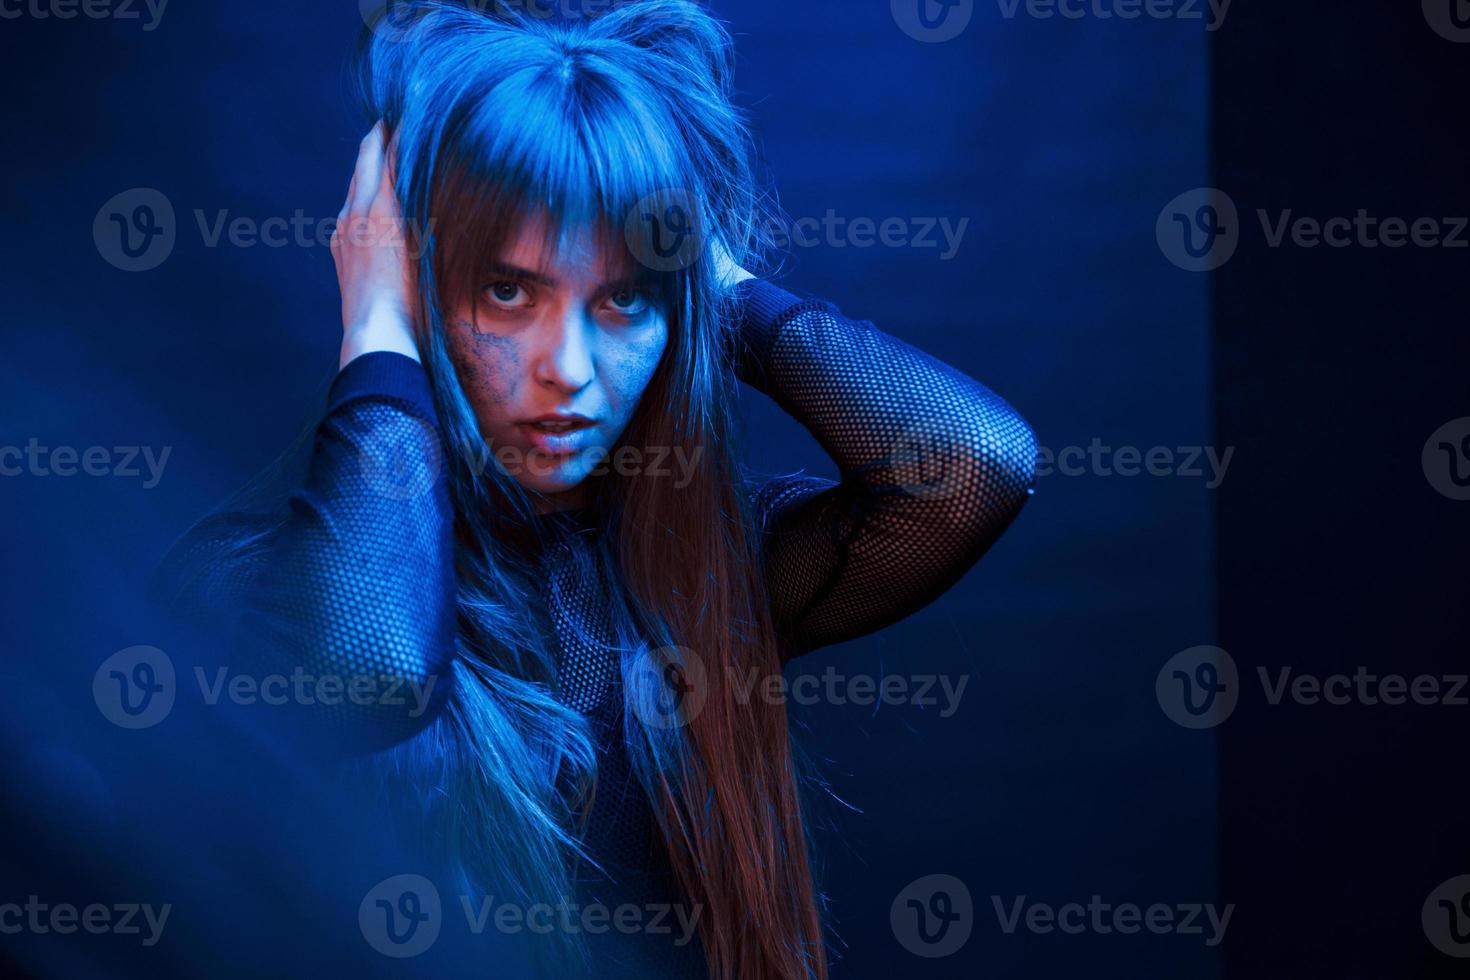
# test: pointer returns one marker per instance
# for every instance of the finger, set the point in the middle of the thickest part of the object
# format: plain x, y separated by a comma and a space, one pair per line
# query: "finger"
391, 156
352, 184
387, 199
369, 170
356, 168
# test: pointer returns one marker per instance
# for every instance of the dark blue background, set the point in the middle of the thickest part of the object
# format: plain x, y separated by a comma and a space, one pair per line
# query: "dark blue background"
1058, 778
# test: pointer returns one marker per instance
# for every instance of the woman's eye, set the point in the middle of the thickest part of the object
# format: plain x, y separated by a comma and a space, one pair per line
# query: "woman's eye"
509, 295
628, 302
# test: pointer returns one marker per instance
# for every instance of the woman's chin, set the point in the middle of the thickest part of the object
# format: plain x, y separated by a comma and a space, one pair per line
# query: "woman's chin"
552, 474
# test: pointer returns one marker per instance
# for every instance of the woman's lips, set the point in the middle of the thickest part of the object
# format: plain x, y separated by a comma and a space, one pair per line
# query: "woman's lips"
553, 443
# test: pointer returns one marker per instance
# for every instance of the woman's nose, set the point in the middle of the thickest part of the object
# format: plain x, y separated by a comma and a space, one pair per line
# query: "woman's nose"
565, 359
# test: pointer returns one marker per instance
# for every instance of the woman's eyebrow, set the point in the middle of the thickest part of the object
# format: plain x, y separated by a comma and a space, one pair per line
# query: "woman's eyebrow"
516, 272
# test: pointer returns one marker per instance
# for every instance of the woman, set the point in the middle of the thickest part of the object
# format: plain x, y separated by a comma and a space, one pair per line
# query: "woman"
523, 500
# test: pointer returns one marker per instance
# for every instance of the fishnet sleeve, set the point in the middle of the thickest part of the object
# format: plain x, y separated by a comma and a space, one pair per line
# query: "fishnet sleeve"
355, 583
933, 467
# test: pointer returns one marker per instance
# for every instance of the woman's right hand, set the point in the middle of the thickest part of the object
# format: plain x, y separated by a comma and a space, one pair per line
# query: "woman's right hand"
370, 248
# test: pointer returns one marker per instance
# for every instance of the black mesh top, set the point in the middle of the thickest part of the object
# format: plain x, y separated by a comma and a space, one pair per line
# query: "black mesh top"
359, 578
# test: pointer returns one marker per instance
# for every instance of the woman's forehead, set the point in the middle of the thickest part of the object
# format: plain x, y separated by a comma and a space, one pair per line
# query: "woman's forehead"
583, 250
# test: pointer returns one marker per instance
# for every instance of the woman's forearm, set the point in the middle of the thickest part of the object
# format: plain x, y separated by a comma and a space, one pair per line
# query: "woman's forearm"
353, 590
361, 582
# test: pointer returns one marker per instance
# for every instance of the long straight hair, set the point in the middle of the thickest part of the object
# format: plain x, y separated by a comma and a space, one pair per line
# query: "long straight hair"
504, 118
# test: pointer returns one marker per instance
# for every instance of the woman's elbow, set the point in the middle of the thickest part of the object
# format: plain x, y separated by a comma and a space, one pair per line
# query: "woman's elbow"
975, 481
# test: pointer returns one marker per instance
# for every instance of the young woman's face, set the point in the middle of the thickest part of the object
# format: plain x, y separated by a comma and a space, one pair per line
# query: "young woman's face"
576, 339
